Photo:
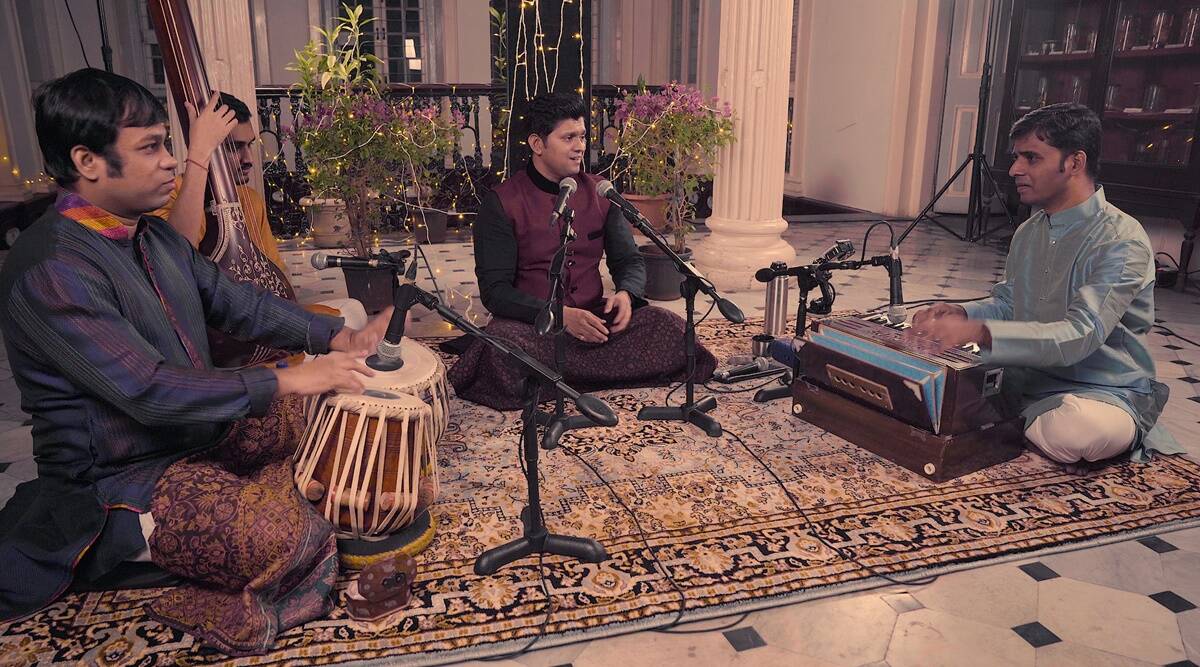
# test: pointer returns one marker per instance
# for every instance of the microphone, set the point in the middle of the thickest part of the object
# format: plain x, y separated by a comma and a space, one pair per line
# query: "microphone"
896, 313
759, 364
566, 188
387, 355
607, 190
767, 274
322, 260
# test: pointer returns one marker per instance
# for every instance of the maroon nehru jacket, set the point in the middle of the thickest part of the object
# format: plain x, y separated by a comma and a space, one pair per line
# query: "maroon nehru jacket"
529, 208
515, 244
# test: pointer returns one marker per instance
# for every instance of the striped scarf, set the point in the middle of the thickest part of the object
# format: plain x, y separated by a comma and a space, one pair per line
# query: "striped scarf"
75, 207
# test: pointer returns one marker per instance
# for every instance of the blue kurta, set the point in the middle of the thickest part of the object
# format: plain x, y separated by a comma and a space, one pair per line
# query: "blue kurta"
1073, 312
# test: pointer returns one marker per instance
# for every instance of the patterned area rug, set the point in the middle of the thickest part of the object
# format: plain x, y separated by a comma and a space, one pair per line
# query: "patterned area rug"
715, 520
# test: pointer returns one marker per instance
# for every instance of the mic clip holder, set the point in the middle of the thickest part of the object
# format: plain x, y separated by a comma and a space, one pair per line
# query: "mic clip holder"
535, 538
808, 277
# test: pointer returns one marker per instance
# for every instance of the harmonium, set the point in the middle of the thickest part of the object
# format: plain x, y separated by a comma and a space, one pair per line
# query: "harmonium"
941, 413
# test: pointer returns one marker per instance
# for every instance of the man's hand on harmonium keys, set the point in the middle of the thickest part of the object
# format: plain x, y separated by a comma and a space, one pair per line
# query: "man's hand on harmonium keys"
947, 325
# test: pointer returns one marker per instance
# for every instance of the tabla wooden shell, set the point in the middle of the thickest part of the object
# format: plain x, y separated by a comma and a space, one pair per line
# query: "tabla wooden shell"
369, 461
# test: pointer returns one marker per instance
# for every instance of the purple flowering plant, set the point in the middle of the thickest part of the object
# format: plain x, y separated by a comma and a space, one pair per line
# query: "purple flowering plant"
361, 146
670, 139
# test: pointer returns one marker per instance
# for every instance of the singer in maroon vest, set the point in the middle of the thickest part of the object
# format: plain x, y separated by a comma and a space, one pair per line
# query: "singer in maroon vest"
613, 341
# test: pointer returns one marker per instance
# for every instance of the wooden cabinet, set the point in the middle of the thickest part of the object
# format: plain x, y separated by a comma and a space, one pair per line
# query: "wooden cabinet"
1137, 64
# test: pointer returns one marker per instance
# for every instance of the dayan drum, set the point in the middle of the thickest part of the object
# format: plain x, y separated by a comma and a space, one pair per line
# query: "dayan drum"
368, 461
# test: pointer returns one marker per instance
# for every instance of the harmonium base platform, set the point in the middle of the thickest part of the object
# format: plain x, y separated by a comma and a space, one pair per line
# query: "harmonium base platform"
937, 457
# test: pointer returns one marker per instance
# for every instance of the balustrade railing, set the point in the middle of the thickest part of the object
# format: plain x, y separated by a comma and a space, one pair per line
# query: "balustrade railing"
464, 176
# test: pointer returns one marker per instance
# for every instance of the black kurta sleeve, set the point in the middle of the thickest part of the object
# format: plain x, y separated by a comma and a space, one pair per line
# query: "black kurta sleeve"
496, 264
625, 262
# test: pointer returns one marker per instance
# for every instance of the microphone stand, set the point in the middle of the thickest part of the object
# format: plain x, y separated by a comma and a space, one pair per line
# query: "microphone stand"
692, 411
558, 422
535, 538
807, 278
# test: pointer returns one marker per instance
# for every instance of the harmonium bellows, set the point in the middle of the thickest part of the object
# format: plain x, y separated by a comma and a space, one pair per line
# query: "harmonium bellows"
940, 412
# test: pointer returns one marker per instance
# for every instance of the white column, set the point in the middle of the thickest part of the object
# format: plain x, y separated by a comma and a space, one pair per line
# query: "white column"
20, 157
747, 218
223, 30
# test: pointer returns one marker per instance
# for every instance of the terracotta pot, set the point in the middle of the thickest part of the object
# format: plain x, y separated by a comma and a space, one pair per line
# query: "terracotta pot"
654, 208
662, 278
330, 228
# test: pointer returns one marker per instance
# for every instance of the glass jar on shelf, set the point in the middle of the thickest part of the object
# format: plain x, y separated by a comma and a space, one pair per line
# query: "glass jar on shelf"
1112, 97
1070, 38
1160, 28
1127, 29
1155, 98
1189, 35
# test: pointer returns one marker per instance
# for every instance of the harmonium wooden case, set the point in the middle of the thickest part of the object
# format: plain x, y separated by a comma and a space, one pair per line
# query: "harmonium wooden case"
940, 413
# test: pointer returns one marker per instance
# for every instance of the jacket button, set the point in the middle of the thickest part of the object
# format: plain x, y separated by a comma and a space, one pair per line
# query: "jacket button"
570, 263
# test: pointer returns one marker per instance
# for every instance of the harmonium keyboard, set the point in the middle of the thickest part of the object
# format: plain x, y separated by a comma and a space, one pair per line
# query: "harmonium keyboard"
939, 412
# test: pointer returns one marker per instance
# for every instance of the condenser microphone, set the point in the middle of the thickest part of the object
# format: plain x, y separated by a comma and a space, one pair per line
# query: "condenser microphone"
566, 188
322, 260
896, 313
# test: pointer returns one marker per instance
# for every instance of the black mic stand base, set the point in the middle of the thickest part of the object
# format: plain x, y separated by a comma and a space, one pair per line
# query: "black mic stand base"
536, 539
580, 548
692, 414
773, 394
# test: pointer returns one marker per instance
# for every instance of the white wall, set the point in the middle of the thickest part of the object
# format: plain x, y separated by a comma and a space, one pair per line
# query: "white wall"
868, 92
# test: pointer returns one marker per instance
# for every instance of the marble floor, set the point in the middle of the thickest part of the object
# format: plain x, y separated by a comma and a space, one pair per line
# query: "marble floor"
1128, 603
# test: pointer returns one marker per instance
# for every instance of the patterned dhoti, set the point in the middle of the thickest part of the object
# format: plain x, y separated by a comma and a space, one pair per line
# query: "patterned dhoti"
649, 352
258, 557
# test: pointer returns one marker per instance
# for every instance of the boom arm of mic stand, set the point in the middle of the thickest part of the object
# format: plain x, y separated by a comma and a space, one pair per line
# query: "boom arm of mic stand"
588, 405
728, 309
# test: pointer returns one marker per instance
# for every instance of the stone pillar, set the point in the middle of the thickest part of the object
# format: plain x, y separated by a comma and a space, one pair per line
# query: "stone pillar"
747, 219
223, 30
20, 159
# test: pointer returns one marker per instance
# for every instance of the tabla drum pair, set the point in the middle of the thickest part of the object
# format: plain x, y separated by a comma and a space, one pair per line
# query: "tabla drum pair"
368, 461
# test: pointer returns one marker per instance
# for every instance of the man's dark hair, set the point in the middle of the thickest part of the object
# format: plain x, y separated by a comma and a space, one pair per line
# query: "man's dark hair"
547, 110
88, 107
1066, 126
240, 111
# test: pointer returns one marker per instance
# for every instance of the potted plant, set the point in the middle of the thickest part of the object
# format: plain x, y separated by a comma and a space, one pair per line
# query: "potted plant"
669, 141
363, 150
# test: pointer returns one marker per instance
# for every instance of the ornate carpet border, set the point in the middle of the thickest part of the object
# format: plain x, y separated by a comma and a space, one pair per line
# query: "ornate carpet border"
769, 602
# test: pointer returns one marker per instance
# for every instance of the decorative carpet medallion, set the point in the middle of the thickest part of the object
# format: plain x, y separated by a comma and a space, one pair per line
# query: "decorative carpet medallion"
717, 522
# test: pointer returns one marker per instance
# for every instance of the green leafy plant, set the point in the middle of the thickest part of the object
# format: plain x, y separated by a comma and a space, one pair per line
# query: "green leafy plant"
670, 139
362, 147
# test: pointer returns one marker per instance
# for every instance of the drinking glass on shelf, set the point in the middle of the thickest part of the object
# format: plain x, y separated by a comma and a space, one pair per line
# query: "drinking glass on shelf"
1049, 46
1154, 98
1191, 27
1126, 32
1070, 37
1043, 90
1160, 28
1112, 96
1076, 89
1091, 42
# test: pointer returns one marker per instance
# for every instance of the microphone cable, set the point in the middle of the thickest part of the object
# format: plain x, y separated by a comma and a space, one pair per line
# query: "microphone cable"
812, 529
